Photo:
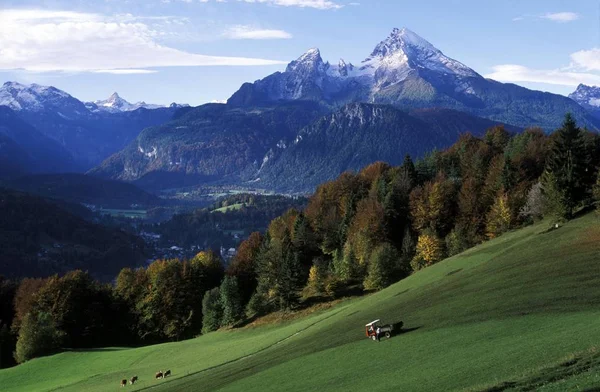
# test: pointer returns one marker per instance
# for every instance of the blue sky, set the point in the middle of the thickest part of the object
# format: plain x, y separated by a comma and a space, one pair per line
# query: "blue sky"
196, 51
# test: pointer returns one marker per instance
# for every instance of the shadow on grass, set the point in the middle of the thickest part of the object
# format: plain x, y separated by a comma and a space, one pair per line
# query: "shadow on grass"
97, 350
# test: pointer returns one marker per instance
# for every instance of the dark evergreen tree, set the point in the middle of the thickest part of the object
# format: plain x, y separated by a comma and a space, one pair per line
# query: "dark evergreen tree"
568, 163
408, 167
289, 276
212, 311
231, 301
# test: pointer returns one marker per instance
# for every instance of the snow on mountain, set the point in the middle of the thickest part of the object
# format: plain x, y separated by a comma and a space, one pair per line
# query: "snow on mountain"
34, 97
587, 96
402, 55
115, 104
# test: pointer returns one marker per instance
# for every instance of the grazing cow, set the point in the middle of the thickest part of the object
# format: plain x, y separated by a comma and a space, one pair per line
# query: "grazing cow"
159, 375
167, 373
133, 380
123, 383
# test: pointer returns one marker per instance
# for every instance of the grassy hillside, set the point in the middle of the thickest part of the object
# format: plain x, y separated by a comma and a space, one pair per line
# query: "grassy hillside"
519, 312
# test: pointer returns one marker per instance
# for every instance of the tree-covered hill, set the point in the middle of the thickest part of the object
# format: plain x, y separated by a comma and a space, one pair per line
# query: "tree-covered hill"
81, 188
357, 135
39, 238
209, 142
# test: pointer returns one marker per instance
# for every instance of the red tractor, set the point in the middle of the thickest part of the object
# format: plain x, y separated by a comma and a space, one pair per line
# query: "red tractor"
375, 330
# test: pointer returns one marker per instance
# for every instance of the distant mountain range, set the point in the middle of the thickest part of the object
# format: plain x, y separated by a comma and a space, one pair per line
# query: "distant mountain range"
289, 131
295, 129
76, 137
115, 104
24, 149
408, 72
588, 97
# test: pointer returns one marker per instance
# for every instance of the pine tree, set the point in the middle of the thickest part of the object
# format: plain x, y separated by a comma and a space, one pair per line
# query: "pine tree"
409, 168
212, 311
597, 192
567, 163
553, 197
382, 267
231, 301
289, 281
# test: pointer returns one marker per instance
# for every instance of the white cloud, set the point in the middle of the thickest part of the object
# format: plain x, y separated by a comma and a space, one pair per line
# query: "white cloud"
249, 32
41, 40
564, 77
129, 71
561, 17
588, 60
318, 4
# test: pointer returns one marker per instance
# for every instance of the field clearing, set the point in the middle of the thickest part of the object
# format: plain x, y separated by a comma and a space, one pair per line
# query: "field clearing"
141, 214
521, 312
233, 207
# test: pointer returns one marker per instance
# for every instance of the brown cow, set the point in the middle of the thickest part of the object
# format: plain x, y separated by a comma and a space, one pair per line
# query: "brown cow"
133, 380
167, 373
159, 375
123, 383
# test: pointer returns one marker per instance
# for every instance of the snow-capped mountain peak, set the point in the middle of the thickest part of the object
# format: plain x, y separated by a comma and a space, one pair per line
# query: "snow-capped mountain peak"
402, 56
404, 51
587, 96
309, 62
115, 103
401, 40
35, 97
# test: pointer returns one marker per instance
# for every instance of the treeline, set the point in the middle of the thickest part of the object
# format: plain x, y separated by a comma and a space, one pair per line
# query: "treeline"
361, 231
159, 303
375, 227
211, 230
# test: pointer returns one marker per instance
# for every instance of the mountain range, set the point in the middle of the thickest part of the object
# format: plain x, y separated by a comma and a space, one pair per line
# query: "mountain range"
405, 97
408, 72
115, 104
74, 134
588, 97
291, 130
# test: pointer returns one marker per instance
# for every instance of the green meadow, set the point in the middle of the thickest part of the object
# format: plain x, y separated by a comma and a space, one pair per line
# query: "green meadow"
521, 312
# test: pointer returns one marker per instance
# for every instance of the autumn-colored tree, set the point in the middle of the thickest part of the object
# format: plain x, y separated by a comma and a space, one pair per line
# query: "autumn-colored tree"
432, 206
499, 217
317, 277
38, 336
429, 250
25, 298
367, 229
470, 207
497, 137
243, 265
78, 306
331, 209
